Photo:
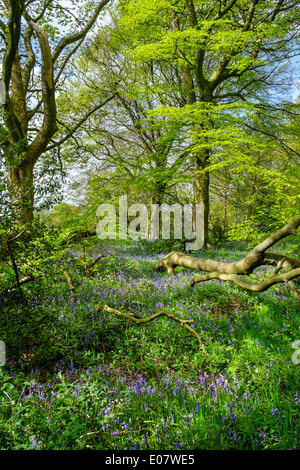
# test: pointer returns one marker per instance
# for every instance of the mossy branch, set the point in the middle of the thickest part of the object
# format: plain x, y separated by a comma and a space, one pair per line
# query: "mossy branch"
139, 320
232, 271
261, 287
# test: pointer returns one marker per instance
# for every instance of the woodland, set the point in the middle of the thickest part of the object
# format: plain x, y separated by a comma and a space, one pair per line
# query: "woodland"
120, 342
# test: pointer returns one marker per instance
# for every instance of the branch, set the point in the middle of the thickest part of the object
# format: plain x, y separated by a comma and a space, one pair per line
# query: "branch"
74, 129
14, 28
263, 286
258, 251
257, 257
69, 281
80, 34
13, 261
49, 126
17, 236
250, 15
278, 267
30, 61
24, 280
295, 293
138, 320
65, 62
223, 12
42, 12
287, 261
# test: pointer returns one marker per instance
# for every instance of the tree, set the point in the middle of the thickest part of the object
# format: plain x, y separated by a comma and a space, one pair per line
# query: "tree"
229, 54
124, 146
257, 195
31, 41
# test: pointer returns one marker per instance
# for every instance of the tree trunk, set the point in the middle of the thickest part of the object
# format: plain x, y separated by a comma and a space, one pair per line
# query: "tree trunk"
201, 191
20, 187
156, 199
31, 41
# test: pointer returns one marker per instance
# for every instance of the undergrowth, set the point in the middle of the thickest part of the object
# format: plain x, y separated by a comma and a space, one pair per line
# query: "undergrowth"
77, 377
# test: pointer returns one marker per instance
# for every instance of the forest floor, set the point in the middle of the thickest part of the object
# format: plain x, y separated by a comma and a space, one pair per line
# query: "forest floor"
86, 379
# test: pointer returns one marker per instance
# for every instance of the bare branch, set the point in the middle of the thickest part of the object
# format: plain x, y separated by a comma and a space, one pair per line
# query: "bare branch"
74, 129
69, 281
65, 62
22, 281
139, 320
263, 286
80, 34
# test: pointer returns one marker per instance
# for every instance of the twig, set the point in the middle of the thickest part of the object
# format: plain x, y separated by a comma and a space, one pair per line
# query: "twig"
24, 280
14, 264
16, 237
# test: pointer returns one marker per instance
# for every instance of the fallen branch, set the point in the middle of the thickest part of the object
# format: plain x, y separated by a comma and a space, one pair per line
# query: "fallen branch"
287, 262
91, 264
69, 281
232, 271
257, 257
24, 280
139, 320
261, 287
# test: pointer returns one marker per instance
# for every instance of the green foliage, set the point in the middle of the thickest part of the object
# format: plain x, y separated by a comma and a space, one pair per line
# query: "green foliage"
84, 379
65, 216
162, 246
79, 378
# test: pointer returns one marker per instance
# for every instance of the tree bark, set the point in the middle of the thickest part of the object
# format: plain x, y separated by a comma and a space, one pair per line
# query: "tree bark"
20, 184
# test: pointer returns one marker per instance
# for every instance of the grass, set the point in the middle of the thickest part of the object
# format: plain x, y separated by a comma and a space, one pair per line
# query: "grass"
80, 378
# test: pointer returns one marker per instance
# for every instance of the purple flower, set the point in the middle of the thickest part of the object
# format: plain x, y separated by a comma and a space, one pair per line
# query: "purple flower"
34, 442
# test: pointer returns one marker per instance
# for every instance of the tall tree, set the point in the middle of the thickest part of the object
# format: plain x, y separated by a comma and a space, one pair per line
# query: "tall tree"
229, 54
147, 156
38, 41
